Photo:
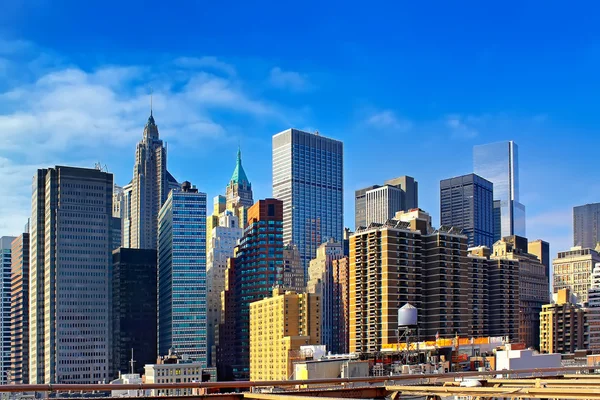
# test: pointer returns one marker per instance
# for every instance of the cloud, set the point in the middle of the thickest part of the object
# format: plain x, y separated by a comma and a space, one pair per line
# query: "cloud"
206, 62
462, 127
290, 80
387, 119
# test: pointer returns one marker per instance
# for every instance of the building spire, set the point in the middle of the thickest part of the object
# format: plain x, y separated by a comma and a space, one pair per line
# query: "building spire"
150, 100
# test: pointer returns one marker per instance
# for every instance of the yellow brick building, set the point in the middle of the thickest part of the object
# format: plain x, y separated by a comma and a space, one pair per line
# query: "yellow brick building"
562, 325
279, 325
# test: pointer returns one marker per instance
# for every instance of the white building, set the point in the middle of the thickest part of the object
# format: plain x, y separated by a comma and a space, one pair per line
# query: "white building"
177, 369
223, 240
525, 359
382, 203
593, 310
127, 379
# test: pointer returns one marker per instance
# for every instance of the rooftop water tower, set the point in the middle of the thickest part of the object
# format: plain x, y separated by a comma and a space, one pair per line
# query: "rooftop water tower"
408, 329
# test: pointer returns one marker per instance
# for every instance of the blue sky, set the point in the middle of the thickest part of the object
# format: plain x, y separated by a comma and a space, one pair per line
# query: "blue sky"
409, 88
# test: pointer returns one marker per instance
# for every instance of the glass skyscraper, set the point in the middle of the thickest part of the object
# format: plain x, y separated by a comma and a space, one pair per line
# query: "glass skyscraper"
308, 176
586, 225
182, 274
467, 202
499, 164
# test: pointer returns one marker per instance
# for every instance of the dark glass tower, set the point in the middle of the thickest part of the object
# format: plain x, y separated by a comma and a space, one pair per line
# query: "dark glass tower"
134, 309
467, 202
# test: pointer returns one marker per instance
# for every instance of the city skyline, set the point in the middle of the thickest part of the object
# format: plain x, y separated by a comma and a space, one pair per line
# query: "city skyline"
230, 93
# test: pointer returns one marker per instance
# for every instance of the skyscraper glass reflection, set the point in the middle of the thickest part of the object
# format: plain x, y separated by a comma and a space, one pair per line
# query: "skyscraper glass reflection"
499, 164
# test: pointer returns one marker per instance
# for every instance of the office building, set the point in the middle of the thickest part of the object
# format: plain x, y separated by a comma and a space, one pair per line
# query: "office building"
219, 206
573, 270
134, 309
308, 177
223, 239
321, 282
502, 295
19, 309
533, 285
249, 277
467, 202
5, 322
149, 188
176, 368
541, 249
562, 325
341, 305
586, 225
499, 164
293, 272
124, 212
378, 203
279, 325
238, 193
593, 311
182, 316
70, 264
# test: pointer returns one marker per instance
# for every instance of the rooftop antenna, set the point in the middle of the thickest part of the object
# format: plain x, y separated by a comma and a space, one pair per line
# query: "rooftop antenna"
151, 91
132, 361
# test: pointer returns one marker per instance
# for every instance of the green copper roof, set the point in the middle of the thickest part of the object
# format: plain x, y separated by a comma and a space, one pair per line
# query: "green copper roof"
239, 175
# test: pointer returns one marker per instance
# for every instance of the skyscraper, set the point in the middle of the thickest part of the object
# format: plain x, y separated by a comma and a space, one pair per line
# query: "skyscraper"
239, 191
467, 202
182, 315
19, 309
499, 164
308, 176
222, 243
586, 225
573, 269
134, 297
378, 203
250, 276
149, 188
70, 262
5, 326
321, 282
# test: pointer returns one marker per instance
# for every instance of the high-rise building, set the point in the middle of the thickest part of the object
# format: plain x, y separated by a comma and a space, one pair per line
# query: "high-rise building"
562, 325
502, 295
219, 206
341, 305
573, 270
541, 249
239, 191
149, 188
586, 225
321, 282
279, 325
223, 239
182, 316
125, 214
499, 164
70, 329
5, 325
533, 286
593, 311
293, 272
134, 298
467, 202
19, 309
249, 277
379, 203
308, 176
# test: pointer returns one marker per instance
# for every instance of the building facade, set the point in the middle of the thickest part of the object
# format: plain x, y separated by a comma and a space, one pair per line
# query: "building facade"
308, 177
541, 249
467, 202
586, 225
5, 302
239, 191
593, 311
279, 325
499, 164
134, 309
293, 272
379, 203
149, 188
19, 309
175, 368
562, 325
70, 329
321, 282
182, 316
341, 305
250, 276
533, 286
224, 238
573, 270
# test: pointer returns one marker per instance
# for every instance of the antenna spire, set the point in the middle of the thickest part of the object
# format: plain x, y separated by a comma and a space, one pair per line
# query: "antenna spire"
151, 100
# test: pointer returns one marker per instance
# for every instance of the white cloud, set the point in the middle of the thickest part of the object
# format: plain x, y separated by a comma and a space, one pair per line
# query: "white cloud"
387, 119
205, 62
462, 127
291, 80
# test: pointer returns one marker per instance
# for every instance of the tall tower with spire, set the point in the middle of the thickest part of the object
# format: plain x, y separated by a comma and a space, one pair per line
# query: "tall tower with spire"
149, 188
239, 191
